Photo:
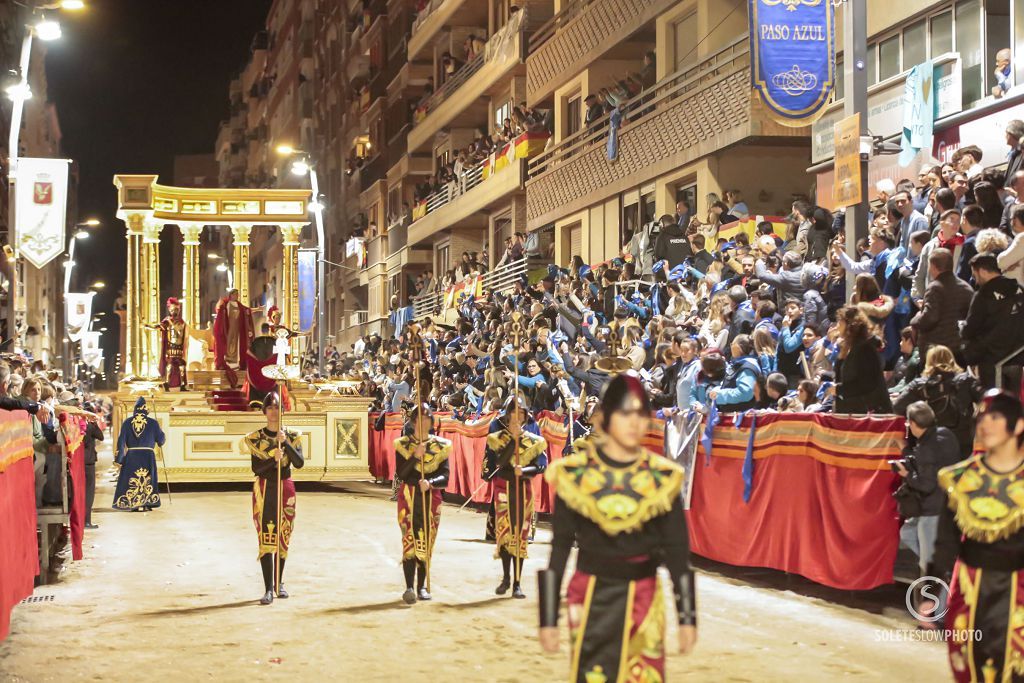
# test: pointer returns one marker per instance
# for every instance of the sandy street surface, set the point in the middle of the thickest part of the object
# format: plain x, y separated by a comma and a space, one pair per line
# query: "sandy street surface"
171, 595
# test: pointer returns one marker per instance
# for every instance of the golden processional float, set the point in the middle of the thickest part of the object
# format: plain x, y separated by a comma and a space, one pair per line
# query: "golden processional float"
204, 441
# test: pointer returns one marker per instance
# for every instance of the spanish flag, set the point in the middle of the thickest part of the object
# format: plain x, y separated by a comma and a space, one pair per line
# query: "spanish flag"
729, 231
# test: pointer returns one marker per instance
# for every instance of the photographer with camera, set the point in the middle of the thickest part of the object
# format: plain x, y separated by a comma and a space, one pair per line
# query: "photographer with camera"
919, 498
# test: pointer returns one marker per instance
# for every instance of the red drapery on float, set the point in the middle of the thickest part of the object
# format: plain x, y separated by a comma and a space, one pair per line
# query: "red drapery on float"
821, 500
19, 556
74, 432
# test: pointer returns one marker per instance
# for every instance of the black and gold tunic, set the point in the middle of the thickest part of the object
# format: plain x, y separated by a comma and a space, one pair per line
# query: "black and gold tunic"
628, 520
979, 551
418, 538
262, 446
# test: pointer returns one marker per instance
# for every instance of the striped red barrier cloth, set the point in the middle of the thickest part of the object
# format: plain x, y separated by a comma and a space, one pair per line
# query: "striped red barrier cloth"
19, 555
821, 500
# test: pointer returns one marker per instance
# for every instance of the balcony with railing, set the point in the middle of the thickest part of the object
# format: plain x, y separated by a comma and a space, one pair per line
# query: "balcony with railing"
440, 13
452, 104
579, 35
502, 279
690, 114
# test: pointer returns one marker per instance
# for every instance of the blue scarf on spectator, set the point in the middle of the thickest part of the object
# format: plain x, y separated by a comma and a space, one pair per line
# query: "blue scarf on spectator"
748, 458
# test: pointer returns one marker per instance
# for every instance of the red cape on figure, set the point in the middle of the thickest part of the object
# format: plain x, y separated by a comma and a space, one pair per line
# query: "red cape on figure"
220, 334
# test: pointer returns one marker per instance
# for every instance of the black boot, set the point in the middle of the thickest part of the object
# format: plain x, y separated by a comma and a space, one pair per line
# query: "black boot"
506, 581
267, 565
517, 589
281, 592
421, 580
409, 569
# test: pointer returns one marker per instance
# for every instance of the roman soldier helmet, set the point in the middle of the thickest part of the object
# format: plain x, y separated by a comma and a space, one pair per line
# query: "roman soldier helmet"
272, 312
173, 301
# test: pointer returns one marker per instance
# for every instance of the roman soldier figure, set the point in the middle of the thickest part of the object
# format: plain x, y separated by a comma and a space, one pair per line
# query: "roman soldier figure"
512, 466
275, 451
232, 333
979, 550
137, 485
421, 465
173, 338
621, 504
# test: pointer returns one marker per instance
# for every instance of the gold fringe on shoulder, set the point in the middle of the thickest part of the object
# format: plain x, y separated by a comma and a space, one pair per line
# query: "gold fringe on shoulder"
987, 506
617, 500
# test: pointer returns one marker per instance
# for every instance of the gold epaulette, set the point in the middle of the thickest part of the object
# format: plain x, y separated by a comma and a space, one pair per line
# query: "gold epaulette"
988, 505
616, 499
435, 454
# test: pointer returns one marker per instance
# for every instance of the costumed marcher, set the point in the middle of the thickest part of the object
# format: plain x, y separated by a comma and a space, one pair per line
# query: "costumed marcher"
273, 449
173, 337
979, 550
508, 467
232, 334
138, 487
421, 464
621, 504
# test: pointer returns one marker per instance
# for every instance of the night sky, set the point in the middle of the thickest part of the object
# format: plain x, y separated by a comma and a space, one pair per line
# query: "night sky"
137, 82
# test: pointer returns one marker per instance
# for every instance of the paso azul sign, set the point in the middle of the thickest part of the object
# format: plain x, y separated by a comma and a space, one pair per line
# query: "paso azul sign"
793, 56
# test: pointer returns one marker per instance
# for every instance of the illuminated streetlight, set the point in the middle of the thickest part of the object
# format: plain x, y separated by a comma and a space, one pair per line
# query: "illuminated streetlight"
72, 4
81, 235
222, 267
286, 150
91, 222
47, 30
99, 284
19, 92
300, 167
213, 257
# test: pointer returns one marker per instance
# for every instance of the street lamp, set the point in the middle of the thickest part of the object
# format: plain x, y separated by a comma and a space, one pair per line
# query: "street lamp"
99, 284
44, 29
303, 165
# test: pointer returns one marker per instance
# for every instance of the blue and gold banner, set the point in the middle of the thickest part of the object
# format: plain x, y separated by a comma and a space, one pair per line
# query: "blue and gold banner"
793, 57
307, 288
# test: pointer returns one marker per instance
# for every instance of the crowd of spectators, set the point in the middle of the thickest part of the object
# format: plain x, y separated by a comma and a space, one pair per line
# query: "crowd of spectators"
760, 320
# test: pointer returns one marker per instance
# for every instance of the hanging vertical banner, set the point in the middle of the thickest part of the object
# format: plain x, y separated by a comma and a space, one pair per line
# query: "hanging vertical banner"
41, 197
793, 57
78, 314
918, 113
92, 355
307, 288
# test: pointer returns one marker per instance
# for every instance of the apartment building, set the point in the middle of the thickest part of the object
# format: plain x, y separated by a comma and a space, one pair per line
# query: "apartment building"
961, 38
271, 104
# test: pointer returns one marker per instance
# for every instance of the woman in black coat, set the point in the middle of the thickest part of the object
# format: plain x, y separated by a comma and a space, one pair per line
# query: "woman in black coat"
860, 386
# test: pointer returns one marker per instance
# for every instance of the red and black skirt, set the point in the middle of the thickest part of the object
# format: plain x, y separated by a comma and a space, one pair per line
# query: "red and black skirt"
264, 515
617, 628
415, 543
986, 616
511, 514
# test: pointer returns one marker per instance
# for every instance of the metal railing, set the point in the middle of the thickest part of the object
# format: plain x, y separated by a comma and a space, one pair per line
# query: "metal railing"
454, 189
398, 235
549, 28
501, 279
1007, 361
496, 49
356, 318
683, 84
425, 14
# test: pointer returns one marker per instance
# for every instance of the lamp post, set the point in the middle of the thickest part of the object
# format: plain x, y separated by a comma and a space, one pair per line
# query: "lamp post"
303, 166
46, 30
69, 265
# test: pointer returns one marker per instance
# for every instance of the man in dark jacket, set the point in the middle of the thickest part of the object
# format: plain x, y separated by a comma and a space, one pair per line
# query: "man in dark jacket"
946, 301
702, 260
672, 244
935, 448
93, 433
992, 328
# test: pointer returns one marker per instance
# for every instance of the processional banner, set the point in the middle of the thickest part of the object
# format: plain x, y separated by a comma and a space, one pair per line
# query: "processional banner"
793, 57
41, 197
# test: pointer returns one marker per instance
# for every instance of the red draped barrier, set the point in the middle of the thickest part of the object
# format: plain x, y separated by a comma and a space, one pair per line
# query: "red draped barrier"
19, 554
821, 501
74, 431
